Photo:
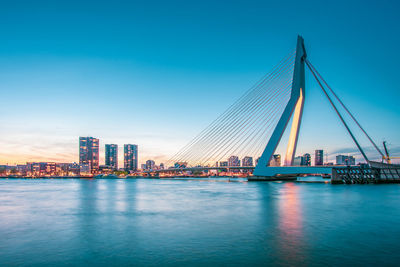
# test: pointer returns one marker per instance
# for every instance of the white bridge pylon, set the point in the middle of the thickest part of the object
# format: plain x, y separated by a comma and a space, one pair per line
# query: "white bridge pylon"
255, 123
293, 108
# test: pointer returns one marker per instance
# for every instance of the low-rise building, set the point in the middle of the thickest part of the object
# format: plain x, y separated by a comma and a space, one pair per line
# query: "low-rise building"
345, 160
275, 160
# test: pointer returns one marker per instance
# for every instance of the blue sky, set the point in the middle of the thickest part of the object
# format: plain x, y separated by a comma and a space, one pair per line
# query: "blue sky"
155, 73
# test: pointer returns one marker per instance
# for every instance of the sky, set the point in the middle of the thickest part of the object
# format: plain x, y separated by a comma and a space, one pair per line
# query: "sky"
155, 73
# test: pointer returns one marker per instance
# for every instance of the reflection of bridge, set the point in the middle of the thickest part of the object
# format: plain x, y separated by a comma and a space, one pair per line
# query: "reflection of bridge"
253, 126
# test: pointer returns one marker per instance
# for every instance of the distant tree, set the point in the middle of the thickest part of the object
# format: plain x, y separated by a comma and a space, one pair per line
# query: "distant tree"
13, 171
2, 170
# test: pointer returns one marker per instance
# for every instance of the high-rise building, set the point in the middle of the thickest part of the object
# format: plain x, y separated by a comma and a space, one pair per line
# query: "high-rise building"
130, 157
307, 159
150, 164
112, 156
319, 157
89, 152
298, 161
233, 161
247, 161
275, 160
345, 160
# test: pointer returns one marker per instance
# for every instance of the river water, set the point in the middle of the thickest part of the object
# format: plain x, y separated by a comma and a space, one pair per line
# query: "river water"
198, 222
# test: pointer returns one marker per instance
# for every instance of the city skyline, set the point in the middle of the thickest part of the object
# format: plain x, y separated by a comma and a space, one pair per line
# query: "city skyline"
199, 133
89, 162
90, 167
188, 73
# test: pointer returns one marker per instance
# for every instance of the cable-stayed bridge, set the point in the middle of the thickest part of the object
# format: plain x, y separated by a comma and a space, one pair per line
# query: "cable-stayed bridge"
253, 126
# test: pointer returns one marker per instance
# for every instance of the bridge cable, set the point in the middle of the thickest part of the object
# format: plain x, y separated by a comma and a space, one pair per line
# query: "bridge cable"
337, 112
228, 124
252, 127
239, 128
240, 123
255, 136
236, 118
226, 115
348, 111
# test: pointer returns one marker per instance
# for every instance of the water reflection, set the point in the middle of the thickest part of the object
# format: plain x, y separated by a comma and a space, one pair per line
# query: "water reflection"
290, 224
87, 211
181, 223
88, 196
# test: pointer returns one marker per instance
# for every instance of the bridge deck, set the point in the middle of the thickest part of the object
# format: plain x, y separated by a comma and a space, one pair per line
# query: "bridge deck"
296, 170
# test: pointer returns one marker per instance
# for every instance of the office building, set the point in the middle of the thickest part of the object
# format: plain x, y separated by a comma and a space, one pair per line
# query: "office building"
247, 162
112, 156
89, 153
85, 169
307, 159
298, 161
106, 169
319, 157
233, 161
223, 164
345, 160
150, 164
21, 169
130, 157
275, 160
73, 169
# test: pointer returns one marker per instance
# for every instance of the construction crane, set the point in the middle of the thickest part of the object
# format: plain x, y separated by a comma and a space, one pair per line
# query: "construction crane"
387, 157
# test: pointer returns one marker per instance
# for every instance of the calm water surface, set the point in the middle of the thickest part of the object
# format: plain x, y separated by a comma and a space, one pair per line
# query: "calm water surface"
197, 222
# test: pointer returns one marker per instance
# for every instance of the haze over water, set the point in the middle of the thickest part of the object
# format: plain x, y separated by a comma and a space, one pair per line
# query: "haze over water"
74, 222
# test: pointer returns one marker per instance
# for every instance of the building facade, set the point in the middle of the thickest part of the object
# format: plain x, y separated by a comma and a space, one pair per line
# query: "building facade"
89, 152
247, 162
319, 157
150, 164
298, 161
233, 161
345, 160
275, 160
223, 164
85, 169
307, 159
130, 157
111, 159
